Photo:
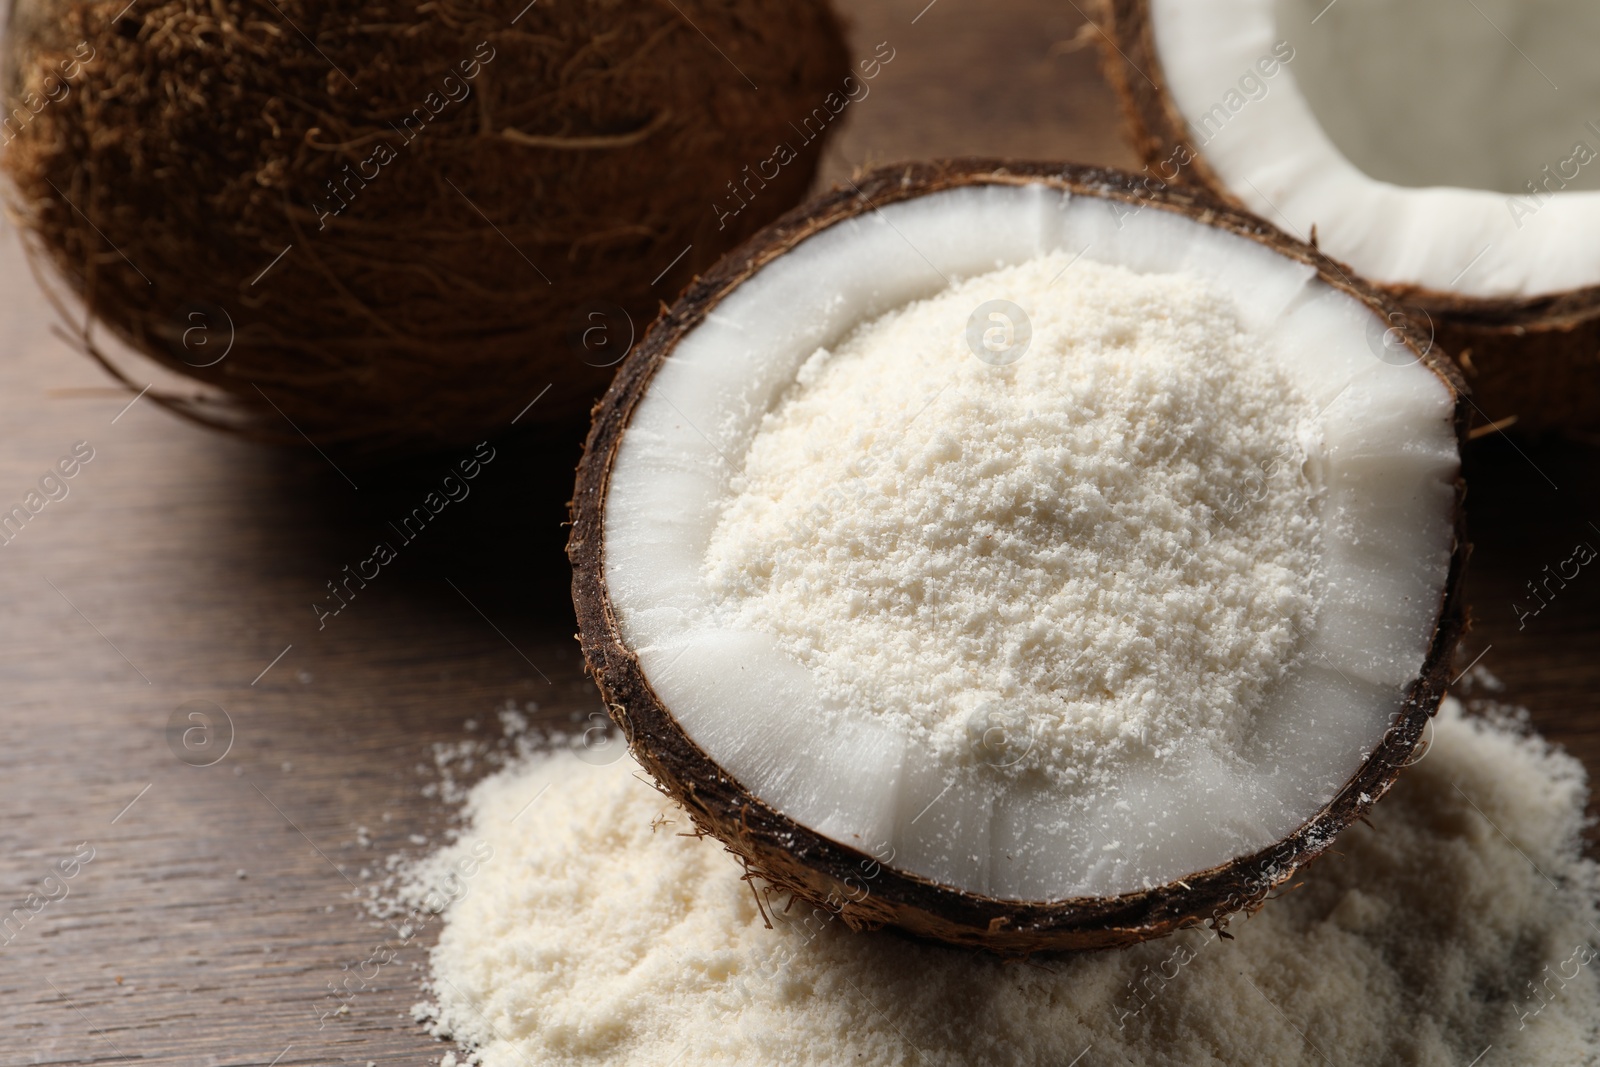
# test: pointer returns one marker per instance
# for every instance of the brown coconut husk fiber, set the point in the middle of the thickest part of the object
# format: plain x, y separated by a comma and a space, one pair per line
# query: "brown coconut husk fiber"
542, 160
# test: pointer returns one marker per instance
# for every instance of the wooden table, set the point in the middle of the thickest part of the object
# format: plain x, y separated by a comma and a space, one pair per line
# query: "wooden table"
216, 914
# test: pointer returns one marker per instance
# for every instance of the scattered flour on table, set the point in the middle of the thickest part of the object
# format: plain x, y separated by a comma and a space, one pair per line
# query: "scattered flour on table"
595, 933
1112, 536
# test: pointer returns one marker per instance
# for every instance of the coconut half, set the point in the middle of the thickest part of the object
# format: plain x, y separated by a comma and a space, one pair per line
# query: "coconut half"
1449, 153
974, 817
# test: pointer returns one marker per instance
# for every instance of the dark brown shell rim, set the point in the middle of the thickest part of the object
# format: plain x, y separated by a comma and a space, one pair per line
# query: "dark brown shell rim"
866, 891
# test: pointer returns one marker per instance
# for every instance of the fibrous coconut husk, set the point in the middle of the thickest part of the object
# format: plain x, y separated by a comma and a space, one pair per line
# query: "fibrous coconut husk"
507, 170
845, 882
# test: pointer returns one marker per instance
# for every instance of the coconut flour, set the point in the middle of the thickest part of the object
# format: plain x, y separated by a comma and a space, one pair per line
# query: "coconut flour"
1111, 537
1458, 928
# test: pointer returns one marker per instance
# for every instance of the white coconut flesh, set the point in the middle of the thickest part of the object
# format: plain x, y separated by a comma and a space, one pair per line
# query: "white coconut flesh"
1031, 753
1446, 144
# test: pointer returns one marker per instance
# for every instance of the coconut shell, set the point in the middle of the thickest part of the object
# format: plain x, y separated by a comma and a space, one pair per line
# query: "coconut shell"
866, 891
403, 217
1535, 361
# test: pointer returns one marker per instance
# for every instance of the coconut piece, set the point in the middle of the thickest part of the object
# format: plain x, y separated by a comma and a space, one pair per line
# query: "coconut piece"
1375, 131
408, 221
850, 804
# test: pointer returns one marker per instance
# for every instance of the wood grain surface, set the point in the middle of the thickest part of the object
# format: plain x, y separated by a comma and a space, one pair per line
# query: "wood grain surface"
215, 923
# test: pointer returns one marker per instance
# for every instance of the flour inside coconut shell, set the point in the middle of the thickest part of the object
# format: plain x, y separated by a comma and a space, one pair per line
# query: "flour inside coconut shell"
762, 787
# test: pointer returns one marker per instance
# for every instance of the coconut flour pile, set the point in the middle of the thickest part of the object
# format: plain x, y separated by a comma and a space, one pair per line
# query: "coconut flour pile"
1459, 928
1111, 536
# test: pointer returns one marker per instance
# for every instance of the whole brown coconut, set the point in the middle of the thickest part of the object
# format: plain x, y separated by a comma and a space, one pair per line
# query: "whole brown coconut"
388, 227
830, 874
1531, 360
